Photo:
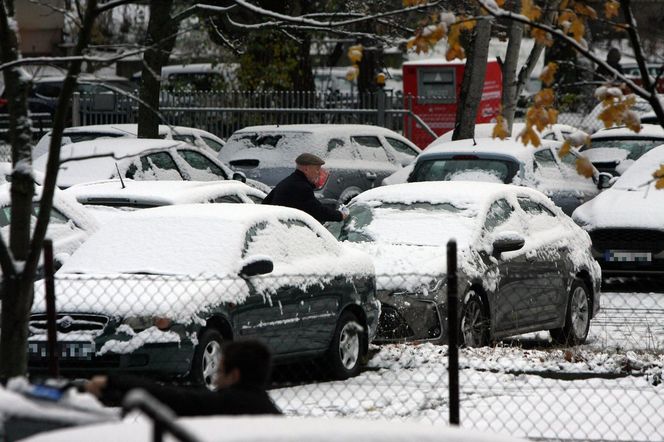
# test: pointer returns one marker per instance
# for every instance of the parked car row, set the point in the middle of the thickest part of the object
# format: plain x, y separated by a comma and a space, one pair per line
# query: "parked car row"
157, 290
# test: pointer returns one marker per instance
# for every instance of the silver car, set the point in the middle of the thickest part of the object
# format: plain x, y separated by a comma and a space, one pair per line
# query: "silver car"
357, 157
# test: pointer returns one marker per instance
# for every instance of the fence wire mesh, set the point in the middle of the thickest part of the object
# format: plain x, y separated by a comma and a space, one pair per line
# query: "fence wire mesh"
525, 382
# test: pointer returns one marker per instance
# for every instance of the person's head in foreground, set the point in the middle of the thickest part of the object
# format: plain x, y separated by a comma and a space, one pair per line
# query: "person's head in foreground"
246, 363
310, 165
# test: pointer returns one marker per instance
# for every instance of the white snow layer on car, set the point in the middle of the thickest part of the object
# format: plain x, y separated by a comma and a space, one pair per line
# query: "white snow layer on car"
175, 260
412, 243
633, 201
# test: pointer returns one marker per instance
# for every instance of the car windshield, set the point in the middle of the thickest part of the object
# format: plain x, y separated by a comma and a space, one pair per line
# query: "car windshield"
635, 148
467, 168
419, 223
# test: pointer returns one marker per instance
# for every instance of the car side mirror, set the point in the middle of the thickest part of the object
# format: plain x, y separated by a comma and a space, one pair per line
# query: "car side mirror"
507, 241
239, 176
604, 180
256, 265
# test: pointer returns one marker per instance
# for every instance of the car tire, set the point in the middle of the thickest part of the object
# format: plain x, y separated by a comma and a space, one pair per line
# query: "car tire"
577, 316
346, 353
207, 357
473, 321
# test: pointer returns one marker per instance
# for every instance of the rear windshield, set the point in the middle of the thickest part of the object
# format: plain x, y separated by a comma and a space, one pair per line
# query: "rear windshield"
466, 168
634, 148
273, 148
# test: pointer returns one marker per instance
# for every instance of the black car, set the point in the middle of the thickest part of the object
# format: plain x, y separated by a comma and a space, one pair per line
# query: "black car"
156, 293
523, 265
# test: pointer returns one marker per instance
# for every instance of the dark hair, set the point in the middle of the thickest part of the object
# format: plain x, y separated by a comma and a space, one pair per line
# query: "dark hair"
252, 358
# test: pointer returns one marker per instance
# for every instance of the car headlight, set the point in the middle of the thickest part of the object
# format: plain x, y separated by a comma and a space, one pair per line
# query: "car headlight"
140, 323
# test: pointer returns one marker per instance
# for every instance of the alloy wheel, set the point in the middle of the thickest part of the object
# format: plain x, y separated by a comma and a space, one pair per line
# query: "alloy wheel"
579, 312
472, 325
349, 345
211, 359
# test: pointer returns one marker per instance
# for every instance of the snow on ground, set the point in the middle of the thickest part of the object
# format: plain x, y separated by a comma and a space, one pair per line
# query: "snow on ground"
610, 388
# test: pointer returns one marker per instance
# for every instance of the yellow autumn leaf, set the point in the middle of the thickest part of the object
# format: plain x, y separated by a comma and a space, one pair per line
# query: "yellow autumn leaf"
455, 51
659, 184
563, 5
530, 10
500, 3
541, 36
553, 115
611, 9
564, 149
584, 167
529, 136
544, 97
583, 9
577, 29
548, 74
467, 25
659, 173
352, 73
355, 54
500, 129
407, 3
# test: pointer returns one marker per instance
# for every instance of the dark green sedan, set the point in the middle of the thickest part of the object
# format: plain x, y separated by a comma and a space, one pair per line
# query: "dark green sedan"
157, 293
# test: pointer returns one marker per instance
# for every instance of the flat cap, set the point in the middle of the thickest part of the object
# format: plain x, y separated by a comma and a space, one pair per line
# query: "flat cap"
308, 159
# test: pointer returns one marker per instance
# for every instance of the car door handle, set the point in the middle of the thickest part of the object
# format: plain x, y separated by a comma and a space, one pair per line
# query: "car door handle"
371, 176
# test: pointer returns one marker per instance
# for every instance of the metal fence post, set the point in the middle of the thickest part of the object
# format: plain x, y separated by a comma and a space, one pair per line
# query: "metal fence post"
452, 329
76, 109
380, 106
51, 327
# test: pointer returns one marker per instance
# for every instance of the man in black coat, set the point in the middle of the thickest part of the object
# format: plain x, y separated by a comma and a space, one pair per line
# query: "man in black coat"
242, 378
297, 190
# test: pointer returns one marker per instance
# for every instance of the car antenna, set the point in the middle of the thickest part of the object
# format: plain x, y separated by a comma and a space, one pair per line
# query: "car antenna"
474, 142
120, 175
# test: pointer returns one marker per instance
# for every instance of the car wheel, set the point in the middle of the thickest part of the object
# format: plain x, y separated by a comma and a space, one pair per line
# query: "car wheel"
474, 323
207, 358
577, 316
346, 351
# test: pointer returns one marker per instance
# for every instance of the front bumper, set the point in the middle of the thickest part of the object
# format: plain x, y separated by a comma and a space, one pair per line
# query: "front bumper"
162, 360
409, 317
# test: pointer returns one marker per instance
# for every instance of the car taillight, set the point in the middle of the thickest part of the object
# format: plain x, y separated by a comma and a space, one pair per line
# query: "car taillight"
3, 102
322, 178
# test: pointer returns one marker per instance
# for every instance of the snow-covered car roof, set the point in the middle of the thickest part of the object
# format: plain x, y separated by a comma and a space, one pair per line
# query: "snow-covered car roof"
159, 193
120, 130
632, 201
647, 131
277, 429
485, 130
178, 240
328, 129
510, 147
92, 160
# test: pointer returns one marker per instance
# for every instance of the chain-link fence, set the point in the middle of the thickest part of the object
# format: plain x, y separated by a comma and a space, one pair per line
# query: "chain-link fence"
343, 349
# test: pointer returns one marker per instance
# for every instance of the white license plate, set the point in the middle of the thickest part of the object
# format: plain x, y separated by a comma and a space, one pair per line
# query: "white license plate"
625, 256
66, 350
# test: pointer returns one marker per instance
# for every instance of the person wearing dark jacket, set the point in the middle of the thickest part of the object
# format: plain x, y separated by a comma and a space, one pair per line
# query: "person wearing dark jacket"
297, 190
242, 379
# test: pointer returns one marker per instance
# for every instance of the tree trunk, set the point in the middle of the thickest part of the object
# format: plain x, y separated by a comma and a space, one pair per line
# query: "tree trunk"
17, 287
473, 81
510, 96
161, 37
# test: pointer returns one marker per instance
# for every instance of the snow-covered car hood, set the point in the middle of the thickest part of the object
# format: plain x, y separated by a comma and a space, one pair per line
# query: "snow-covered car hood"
622, 208
405, 267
